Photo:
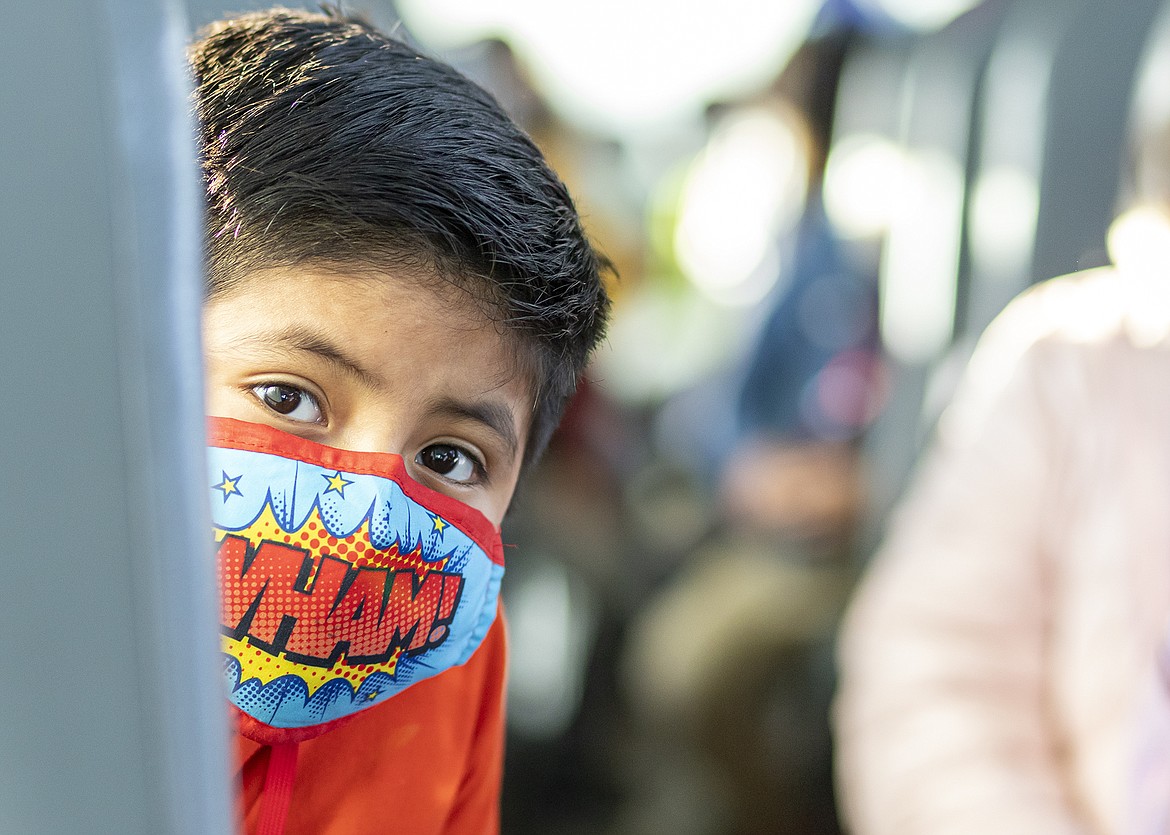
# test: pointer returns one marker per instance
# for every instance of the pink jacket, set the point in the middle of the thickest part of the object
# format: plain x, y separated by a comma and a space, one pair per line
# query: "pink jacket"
998, 655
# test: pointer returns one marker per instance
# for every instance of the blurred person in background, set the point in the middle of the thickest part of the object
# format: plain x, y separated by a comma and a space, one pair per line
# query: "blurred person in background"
738, 706
998, 660
809, 388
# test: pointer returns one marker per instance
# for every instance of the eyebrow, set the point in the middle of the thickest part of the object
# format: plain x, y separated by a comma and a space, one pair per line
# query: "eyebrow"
496, 416
304, 339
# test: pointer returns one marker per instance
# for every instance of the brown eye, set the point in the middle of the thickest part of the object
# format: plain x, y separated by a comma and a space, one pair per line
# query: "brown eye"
289, 401
451, 462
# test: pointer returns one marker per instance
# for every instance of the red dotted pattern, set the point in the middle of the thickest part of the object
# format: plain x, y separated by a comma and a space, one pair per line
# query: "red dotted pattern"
282, 557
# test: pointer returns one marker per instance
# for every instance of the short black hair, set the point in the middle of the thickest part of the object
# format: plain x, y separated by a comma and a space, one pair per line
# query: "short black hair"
325, 141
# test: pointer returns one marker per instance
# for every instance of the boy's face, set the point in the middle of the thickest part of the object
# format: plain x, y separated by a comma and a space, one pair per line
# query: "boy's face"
376, 364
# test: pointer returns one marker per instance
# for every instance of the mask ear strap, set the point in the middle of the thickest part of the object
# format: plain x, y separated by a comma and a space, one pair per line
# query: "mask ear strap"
278, 784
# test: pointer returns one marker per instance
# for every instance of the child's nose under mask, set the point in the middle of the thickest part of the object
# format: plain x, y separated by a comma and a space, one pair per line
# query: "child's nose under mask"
342, 580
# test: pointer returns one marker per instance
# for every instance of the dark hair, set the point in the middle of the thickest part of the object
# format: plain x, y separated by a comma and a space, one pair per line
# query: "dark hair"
325, 141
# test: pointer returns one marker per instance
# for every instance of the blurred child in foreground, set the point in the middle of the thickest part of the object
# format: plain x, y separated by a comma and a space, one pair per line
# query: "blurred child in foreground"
999, 661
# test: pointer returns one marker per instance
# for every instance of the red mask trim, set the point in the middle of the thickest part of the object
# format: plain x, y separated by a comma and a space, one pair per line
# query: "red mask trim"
228, 433
252, 728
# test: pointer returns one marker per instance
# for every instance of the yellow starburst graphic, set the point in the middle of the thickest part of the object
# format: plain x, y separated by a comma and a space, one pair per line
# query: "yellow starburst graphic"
313, 537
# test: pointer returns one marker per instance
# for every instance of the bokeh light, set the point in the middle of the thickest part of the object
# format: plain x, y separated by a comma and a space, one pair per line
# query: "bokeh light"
863, 178
742, 193
620, 66
922, 15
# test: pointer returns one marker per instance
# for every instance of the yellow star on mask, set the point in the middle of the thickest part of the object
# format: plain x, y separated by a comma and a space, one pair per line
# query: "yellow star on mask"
228, 486
337, 483
439, 523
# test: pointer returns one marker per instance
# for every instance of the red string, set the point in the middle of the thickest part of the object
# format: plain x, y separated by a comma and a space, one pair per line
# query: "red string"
278, 784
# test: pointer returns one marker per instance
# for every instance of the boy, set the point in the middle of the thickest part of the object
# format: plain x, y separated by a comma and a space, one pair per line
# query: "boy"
400, 302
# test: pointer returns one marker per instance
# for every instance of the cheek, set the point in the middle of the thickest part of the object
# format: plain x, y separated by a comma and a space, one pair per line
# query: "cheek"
219, 403
487, 504
496, 515
220, 399
500, 501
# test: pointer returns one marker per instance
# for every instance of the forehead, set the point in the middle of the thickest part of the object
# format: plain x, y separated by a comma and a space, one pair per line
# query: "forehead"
408, 328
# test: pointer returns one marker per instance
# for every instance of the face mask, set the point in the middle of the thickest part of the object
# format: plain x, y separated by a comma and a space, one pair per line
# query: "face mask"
342, 581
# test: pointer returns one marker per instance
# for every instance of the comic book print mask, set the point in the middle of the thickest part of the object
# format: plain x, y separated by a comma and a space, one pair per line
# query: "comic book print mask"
342, 581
